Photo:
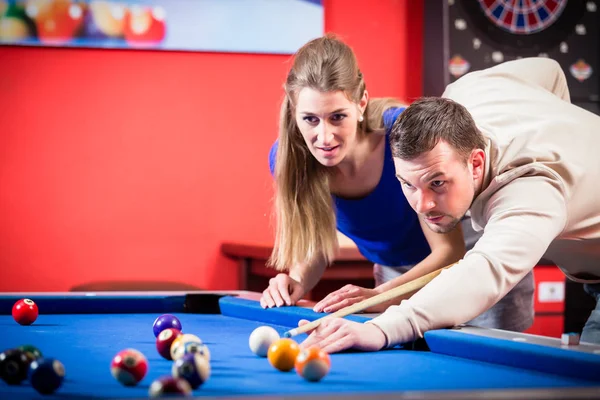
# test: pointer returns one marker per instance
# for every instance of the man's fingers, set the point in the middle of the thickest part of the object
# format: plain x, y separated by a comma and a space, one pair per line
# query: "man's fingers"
320, 333
343, 342
327, 340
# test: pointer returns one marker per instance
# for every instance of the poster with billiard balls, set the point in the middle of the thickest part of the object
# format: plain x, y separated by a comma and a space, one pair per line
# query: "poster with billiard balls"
245, 26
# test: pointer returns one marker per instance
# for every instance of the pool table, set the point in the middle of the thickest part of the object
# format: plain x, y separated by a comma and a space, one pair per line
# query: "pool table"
85, 330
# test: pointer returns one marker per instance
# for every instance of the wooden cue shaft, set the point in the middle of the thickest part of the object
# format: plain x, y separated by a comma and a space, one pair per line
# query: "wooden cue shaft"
370, 302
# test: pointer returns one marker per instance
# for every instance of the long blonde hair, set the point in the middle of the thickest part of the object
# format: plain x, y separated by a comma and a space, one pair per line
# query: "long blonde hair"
305, 217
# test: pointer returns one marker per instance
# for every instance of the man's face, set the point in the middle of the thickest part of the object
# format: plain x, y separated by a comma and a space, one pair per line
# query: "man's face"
439, 185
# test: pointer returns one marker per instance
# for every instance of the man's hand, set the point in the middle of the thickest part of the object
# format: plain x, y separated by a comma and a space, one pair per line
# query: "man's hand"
337, 334
346, 296
282, 290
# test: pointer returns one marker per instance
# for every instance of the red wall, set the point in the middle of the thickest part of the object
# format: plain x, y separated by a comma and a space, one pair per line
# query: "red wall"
129, 165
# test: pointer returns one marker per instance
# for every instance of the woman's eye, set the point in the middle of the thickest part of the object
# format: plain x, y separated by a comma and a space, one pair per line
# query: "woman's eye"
338, 117
311, 119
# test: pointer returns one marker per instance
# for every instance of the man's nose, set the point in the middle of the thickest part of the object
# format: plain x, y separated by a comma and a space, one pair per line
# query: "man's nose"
425, 203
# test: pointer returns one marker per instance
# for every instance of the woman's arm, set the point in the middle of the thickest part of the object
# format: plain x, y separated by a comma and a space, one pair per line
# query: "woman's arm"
446, 248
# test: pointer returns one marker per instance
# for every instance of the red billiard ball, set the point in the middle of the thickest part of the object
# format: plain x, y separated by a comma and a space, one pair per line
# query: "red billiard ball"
25, 312
313, 364
164, 341
167, 385
129, 367
56, 21
144, 25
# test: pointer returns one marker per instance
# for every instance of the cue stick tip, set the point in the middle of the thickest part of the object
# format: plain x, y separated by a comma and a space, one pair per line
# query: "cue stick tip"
290, 333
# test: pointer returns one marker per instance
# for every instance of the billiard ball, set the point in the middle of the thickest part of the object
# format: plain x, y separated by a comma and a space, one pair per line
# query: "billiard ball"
144, 25
192, 367
25, 311
313, 364
32, 352
164, 341
129, 367
57, 21
104, 20
165, 321
186, 344
14, 23
261, 339
167, 385
46, 375
13, 366
282, 354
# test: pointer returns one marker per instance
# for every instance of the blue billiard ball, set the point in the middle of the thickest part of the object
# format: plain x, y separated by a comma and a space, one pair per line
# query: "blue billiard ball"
165, 321
46, 375
192, 367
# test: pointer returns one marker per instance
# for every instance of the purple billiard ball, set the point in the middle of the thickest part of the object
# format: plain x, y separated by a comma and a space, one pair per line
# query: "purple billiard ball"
165, 321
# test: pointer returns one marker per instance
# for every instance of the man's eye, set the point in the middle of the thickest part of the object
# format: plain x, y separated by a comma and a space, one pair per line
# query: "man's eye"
407, 185
438, 184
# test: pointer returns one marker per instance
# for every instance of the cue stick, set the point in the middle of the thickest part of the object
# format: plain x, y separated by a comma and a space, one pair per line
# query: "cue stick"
371, 301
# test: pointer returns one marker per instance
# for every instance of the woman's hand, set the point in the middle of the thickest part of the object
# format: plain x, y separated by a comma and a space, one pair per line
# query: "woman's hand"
282, 290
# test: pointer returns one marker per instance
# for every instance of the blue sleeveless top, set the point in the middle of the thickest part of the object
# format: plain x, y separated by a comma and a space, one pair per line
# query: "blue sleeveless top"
384, 227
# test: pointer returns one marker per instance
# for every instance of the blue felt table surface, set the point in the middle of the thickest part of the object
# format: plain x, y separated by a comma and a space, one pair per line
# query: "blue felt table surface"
86, 343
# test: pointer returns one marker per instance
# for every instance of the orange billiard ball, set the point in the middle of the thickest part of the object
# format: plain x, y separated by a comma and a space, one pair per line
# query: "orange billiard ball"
25, 311
282, 354
313, 364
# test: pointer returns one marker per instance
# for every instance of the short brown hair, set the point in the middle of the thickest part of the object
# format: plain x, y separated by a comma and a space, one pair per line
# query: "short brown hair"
427, 121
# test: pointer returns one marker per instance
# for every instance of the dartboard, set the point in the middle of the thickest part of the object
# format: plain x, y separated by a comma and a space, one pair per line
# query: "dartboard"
483, 33
523, 17
536, 25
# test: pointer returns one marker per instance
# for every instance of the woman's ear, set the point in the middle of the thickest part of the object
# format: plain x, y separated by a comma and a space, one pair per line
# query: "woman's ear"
362, 105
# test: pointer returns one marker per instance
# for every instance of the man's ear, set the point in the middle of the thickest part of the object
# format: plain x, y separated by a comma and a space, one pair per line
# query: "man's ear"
477, 162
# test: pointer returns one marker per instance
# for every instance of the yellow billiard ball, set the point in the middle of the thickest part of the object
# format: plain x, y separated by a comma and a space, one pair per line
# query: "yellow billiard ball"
282, 354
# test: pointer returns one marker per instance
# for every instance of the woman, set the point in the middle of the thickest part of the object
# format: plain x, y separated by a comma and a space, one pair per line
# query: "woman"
333, 170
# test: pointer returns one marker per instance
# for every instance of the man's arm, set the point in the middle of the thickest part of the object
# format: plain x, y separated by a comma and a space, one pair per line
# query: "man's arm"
523, 218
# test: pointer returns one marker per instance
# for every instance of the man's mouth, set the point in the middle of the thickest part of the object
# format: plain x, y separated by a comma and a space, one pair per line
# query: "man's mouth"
434, 218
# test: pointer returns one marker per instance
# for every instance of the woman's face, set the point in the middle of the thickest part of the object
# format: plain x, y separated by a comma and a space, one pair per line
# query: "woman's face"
328, 122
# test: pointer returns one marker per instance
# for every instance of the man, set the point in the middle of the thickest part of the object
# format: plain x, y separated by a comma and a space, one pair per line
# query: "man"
506, 144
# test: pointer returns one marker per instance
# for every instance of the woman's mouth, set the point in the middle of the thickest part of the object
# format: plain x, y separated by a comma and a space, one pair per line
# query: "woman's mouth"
328, 152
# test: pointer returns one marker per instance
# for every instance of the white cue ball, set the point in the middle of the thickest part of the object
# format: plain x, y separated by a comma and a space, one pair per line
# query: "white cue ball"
261, 339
